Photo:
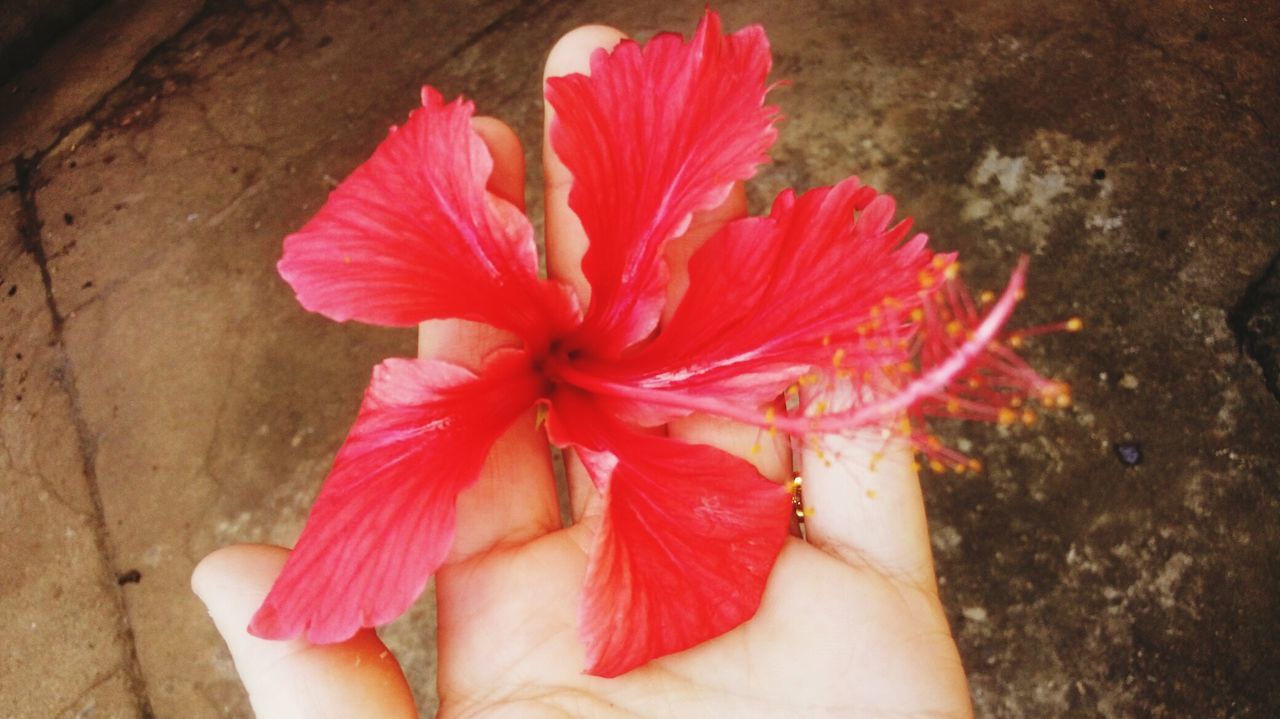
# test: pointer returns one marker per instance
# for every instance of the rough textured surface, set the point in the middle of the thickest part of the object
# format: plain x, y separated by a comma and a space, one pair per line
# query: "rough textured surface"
29, 27
159, 384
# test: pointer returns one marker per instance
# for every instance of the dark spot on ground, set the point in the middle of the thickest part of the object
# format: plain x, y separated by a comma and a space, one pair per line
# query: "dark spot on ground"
68, 218
1099, 174
1129, 453
132, 576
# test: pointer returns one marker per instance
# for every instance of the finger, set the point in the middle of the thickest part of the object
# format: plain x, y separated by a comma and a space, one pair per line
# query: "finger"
769, 452
566, 240
866, 505
701, 227
514, 500
507, 179
358, 677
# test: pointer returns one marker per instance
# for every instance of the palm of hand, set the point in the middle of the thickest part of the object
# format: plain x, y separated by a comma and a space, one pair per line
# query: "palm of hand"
829, 641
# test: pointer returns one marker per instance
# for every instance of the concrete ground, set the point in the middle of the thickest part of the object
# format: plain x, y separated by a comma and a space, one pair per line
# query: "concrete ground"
163, 394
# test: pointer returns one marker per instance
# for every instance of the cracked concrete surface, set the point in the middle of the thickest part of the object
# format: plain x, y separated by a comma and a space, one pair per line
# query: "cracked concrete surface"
159, 383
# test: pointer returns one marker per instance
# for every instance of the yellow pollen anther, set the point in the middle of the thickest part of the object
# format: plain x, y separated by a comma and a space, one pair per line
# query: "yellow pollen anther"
915, 466
837, 358
755, 448
1064, 400
952, 270
1075, 324
1028, 417
1006, 417
987, 297
1016, 341
917, 315
937, 467
939, 261
1015, 402
975, 465
904, 425
826, 340
820, 408
871, 494
926, 279
954, 328
953, 406
796, 483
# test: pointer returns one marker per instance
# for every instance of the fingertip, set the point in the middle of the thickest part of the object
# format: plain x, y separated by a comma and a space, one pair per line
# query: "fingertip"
239, 567
507, 180
572, 52
702, 227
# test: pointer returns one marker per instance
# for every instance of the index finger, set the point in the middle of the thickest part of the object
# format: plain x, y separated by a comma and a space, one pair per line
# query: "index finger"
566, 240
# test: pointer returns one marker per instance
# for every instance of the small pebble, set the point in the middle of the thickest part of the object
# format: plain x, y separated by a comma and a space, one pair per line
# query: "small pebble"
1129, 453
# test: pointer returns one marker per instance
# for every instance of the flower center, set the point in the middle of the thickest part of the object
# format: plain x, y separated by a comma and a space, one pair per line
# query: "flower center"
555, 364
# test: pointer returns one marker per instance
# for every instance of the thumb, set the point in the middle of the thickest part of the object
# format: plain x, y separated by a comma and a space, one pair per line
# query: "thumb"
287, 679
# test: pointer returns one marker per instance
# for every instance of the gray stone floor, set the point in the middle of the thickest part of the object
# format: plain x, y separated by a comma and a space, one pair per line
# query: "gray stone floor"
163, 394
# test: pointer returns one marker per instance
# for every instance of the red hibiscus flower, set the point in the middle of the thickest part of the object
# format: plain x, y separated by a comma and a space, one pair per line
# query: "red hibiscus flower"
826, 295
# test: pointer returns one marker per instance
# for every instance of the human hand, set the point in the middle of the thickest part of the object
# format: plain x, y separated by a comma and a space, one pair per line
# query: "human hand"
850, 624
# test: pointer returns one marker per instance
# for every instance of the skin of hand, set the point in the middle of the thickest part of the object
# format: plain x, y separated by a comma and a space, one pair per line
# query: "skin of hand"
850, 624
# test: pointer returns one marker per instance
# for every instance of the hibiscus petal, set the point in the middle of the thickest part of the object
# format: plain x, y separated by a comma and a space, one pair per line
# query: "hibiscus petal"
384, 520
771, 297
413, 235
653, 135
684, 550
